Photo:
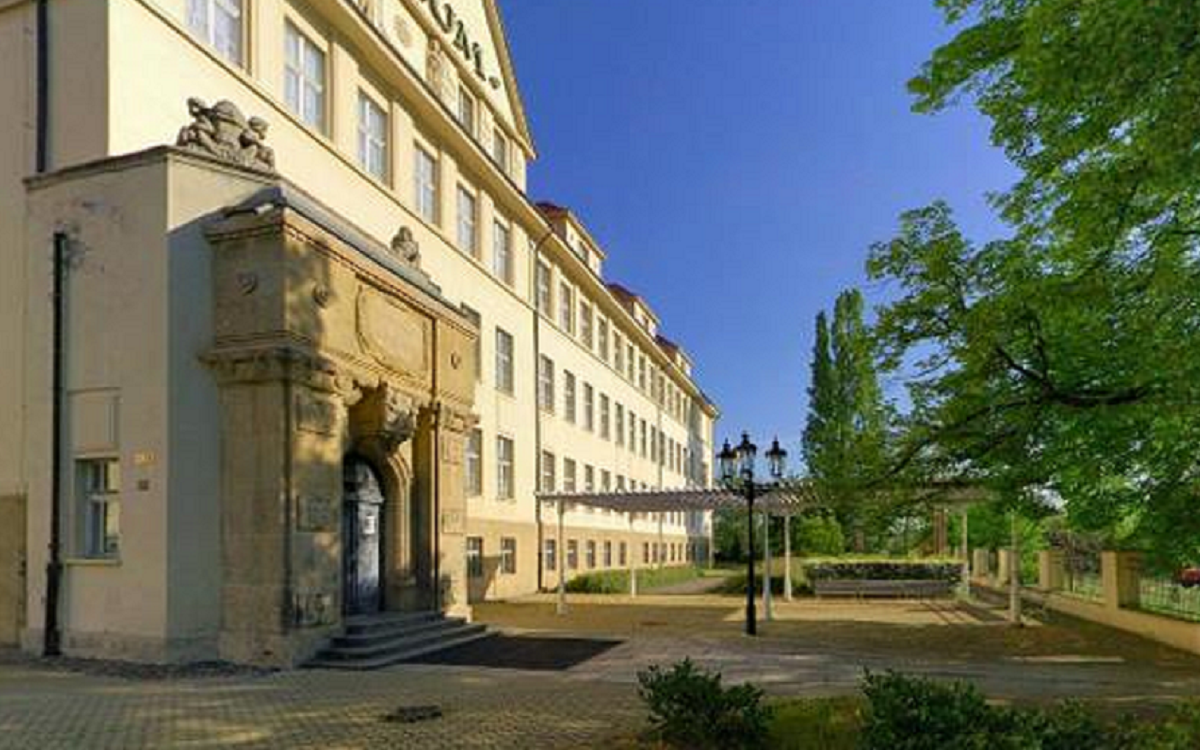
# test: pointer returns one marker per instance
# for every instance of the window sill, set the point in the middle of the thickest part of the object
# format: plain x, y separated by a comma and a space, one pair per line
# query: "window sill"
92, 562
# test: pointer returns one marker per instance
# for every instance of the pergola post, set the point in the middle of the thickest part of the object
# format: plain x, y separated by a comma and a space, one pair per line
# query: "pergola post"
659, 550
787, 556
562, 565
964, 586
768, 614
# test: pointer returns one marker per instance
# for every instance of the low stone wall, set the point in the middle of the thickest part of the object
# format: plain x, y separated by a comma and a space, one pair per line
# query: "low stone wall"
1116, 608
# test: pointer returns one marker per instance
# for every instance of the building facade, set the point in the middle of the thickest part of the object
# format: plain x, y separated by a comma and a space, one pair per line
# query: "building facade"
318, 350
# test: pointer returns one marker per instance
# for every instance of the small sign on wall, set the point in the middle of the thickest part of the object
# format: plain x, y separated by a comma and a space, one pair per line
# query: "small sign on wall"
454, 522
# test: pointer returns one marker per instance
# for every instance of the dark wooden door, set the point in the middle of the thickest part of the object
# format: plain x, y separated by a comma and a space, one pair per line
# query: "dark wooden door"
362, 530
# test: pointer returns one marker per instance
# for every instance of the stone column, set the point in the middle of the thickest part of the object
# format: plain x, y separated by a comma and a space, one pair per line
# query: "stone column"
1051, 570
980, 567
448, 431
1121, 576
1003, 566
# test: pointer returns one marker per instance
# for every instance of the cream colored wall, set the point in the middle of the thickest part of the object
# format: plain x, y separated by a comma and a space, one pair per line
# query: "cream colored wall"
16, 161
154, 65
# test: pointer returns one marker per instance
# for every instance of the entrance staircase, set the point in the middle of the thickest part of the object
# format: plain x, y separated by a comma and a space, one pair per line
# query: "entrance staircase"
374, 641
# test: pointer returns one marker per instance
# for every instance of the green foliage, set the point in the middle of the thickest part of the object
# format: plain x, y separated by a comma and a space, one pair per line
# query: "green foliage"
817, 724
911, 713
1061, 356
617, 581
689, 708
844, 434
817, 535
882, 570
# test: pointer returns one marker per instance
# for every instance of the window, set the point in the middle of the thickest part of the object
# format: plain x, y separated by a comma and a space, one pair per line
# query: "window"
569, 396
620, 482
504, 468
642, 372
551, 554
566, 308
500, 149
572, 554
502, 265
508, 555
425, 189
602, 338
474, 463
372, 137
99, 483
629, 360
591, 553
619, 352
569, 485
606, 481
304, 78
585, 325
589, 407
504, 361
466, 110
645, 552
622, 554
607, 553
619, 425
219, 24
589, 478
547, 465
473, 316
475, 556
604, 418
632, 431
642, 424
543, 288
468, 211
546, 383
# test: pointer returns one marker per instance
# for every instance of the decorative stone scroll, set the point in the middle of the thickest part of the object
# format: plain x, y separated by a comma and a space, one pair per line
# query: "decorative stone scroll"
224, 132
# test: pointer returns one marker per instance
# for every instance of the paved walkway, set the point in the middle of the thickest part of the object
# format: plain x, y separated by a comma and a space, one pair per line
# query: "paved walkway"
812, 648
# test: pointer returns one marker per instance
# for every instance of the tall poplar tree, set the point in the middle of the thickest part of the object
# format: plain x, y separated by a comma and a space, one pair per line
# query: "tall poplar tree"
844, 434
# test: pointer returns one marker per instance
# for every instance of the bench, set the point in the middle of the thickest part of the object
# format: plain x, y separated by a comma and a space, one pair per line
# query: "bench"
901, 588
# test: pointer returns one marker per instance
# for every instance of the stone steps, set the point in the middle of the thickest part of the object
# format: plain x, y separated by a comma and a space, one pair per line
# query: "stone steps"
381, 640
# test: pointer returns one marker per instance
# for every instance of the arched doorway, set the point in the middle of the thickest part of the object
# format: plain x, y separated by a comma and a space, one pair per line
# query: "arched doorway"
362, 537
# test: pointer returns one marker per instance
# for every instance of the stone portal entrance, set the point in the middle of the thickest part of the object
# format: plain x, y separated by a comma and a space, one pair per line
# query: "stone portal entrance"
362, 535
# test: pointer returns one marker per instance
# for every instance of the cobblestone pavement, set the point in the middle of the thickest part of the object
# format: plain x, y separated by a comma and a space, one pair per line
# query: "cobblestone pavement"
44, 709
812, 648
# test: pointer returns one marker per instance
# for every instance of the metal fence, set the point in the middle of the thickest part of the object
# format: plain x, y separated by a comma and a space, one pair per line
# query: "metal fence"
1164, 596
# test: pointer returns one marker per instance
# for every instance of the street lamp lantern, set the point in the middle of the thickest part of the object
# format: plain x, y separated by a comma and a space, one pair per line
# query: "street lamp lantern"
746, 452
776, 457
737, 474
728, 460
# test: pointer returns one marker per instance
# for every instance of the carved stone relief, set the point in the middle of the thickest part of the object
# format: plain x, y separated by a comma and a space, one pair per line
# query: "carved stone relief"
406, 248
224, 132
393, 335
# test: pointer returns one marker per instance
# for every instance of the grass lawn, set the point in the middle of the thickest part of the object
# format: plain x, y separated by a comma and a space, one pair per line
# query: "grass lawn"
817, 723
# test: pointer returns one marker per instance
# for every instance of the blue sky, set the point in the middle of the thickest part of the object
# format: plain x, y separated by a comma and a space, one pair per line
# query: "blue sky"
736, 159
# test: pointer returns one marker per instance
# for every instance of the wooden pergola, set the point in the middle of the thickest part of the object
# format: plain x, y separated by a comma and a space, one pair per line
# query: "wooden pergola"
785, 500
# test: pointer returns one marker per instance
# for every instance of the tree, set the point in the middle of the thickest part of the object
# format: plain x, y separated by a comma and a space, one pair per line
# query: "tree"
843, 436
1063, 355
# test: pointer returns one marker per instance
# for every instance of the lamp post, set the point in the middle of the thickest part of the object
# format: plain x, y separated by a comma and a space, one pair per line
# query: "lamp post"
737, 475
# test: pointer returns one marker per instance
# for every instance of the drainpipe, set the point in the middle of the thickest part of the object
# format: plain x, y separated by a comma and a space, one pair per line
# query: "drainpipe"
52, 638
42, 126
537, 420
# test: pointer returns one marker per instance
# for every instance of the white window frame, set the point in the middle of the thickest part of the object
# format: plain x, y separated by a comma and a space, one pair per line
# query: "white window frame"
505, 458
467, 224
566, 307
99, 504
425, 184
467, 112
547, 472
474, 463
545, 285
372, 137
202, 18
545, 383
569, 396
589, 407
504, 361
508, 555
300, 81
502, 259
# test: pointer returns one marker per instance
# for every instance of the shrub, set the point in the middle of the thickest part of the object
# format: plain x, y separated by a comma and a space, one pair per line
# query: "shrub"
617, 581
689, 708
883, 570
906, 713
